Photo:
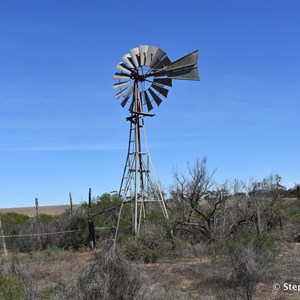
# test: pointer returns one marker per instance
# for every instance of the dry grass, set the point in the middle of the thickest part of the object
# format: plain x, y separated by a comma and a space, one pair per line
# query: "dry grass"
203, 278
181, 278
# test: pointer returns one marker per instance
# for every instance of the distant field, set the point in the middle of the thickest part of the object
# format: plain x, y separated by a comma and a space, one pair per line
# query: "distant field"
30, 211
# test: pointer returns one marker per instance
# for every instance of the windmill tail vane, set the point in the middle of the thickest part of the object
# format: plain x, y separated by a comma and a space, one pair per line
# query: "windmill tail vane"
143, 79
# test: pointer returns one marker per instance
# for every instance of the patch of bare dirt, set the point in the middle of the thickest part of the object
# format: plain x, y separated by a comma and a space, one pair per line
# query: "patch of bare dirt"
206, 279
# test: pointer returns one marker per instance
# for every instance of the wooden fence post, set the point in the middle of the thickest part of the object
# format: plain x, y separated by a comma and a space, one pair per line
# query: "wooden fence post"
92, 238
71, 204
3, 239
37, 208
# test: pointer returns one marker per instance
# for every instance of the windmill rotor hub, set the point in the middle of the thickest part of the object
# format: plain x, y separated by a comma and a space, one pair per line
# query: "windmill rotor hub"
137, 77
141, 78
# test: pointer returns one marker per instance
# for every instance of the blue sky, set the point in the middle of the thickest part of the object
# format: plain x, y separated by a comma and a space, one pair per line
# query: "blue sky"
61, 129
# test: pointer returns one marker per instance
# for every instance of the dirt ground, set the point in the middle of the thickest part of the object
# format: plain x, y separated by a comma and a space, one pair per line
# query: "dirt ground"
202, 277
180, 278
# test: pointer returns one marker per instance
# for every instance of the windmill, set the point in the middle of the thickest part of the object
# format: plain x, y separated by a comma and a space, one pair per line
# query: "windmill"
144, 76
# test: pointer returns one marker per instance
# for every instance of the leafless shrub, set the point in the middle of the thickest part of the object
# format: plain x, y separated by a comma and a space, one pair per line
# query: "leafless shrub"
109, 276
185, 249
200, 249
246, 270
249, 260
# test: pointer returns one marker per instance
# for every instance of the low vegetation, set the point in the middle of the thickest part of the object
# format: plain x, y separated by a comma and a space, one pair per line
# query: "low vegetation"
239, 225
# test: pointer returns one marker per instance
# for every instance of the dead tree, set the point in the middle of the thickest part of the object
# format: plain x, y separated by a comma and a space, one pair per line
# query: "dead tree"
195, 202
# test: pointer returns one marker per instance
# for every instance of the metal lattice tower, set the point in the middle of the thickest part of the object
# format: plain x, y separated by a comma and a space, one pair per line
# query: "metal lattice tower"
145, 73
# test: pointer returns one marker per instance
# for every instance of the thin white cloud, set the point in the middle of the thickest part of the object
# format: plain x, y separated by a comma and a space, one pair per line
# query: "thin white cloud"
67, 147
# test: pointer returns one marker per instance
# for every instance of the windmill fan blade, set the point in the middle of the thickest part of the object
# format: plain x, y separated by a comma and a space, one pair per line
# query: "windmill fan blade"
128, 59
120, 84
123, 103
121, 76
163, 81
162, 63
121, 66
157, 100
148, 102
123, 92
150, 54
131, 105
143, 54
184, 74
158, 56
185, 61
160, 89
135, 53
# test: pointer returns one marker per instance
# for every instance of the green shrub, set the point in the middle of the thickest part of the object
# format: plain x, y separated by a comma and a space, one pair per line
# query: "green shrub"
293, 212
14, 218
45, 218
50, 250
151, 244
156, 216
11, 287
263, 243
49, 293
294, 217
